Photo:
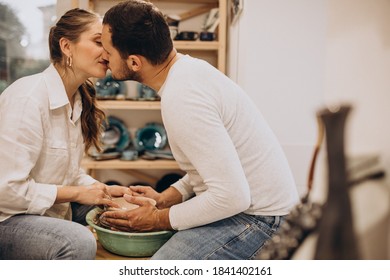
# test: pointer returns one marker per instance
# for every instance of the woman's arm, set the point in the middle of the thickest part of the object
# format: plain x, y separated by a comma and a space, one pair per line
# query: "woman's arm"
21, 141
95, 194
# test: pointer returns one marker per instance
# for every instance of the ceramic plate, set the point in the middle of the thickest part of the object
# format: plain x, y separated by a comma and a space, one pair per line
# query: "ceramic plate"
151, 137
116, 134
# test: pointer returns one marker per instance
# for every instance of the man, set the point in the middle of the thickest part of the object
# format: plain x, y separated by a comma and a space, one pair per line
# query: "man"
238, 184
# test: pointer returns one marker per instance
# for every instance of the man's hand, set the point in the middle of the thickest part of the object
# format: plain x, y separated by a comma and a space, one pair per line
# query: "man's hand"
146, 192
166, 199
144, 218
118, 191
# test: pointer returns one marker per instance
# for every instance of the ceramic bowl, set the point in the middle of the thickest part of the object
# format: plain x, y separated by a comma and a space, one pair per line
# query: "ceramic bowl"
128, 244
151, 137
108, 88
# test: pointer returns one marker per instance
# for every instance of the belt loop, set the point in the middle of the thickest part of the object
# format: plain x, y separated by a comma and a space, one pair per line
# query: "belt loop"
276, 222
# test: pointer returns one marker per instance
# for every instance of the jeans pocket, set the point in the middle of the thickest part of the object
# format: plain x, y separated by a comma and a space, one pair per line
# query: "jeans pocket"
267, 224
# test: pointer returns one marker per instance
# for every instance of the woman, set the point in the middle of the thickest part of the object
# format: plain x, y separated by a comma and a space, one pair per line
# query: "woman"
48, 121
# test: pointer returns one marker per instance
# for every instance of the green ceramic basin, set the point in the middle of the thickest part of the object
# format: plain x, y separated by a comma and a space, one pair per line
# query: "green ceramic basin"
129, 244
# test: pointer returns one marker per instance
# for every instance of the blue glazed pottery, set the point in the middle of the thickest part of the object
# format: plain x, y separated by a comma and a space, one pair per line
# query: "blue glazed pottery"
151, 137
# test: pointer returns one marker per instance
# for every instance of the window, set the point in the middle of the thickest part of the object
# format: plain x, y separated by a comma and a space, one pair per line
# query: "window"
24, 28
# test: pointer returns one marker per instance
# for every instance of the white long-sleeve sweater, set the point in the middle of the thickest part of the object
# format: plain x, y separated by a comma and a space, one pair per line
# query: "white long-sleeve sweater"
233, 160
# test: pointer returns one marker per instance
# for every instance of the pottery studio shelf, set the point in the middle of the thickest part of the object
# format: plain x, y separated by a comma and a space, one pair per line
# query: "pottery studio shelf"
89, 163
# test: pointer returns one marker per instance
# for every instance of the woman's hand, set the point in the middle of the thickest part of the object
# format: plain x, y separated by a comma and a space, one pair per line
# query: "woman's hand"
95, 194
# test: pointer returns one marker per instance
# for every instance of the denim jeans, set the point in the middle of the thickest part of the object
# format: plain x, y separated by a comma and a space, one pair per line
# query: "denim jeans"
236, 238
33, 237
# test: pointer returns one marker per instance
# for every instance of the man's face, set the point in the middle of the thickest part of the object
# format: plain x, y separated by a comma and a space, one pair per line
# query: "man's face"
118, 66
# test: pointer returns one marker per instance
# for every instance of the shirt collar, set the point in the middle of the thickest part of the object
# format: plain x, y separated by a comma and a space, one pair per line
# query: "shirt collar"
57, 94
55, 87
77, 107
161, 91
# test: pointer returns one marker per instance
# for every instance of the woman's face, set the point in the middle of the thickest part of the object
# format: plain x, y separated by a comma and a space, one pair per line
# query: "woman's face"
87, 53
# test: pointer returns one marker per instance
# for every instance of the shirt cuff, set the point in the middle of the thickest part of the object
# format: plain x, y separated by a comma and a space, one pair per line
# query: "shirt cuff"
42, 200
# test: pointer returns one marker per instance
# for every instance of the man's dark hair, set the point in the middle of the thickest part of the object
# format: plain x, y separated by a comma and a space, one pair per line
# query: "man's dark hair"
139, 28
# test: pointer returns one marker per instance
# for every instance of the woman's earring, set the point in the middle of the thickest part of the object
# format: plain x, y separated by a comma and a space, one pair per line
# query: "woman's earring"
69, 61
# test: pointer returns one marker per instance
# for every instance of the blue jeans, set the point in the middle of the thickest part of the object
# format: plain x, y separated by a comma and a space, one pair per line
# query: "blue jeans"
33, 237
236, 238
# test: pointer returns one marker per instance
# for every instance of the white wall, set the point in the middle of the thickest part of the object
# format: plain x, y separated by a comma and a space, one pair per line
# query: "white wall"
358, 70
277, 54
293, 58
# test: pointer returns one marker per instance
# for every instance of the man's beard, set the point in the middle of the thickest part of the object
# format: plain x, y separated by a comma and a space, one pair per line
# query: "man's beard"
126, 74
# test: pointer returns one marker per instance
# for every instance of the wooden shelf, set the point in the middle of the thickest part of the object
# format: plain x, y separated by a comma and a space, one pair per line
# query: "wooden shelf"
129, 104
196, 45
186, 1
89, 163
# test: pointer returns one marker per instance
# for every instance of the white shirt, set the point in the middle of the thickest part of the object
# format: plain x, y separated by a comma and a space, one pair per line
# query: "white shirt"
233, 160
41, 146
